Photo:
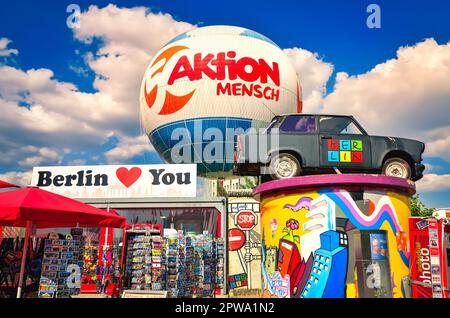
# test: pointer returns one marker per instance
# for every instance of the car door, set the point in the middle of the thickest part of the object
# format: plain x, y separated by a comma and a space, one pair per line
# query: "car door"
299, 133
343, 143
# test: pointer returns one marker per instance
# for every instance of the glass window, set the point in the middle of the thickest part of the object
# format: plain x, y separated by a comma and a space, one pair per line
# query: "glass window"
338, 125
273, 123
302, 124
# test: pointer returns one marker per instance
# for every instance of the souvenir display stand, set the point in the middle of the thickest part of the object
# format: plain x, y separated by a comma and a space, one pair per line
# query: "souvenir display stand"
184, 266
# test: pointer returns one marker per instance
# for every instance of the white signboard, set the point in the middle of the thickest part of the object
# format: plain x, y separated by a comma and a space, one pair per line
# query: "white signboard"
128, 181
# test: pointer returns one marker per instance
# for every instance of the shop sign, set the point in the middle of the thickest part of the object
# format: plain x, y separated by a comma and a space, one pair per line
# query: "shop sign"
114, 181
245, 220
427, 256
236, 239
420, 258
433, 235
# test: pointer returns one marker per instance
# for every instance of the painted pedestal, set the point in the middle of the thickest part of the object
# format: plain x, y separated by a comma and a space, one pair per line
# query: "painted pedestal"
332, 236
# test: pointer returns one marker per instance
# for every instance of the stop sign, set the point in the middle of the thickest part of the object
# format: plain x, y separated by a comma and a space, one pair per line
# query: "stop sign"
236, 239
245, 220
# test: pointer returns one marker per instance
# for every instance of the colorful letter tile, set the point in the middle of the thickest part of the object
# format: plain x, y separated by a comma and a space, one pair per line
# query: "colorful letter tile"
357, 156
333, 144
333, 156
345, 156
345, 145
357, 145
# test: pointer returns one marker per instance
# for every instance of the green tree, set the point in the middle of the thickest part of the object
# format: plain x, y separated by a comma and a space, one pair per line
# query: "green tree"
221, 192
419, 209
249, 183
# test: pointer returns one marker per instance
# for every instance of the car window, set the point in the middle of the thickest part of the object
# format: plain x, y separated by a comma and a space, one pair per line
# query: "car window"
274, 122
302, 124
338, 125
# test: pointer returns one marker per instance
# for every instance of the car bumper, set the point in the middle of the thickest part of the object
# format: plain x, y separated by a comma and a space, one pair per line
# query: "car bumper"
419, 168
247, 169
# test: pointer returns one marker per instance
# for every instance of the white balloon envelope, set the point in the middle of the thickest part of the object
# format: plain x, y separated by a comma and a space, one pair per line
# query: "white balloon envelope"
218, 77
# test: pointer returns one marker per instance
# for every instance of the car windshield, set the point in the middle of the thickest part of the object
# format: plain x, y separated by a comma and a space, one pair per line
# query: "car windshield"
301, 124
274, 122
338, 125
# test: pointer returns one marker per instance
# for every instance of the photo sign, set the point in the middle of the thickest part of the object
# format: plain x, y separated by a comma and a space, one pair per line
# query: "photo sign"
124, 181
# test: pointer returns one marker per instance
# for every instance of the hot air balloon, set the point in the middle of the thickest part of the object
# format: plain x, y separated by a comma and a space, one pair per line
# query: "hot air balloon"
208, 82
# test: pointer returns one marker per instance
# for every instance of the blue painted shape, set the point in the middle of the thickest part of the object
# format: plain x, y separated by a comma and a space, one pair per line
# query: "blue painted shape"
329, 240
333, 156
335, 287
327, 276
345, 145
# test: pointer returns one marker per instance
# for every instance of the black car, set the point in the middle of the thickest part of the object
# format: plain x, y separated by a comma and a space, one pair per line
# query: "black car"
309, 143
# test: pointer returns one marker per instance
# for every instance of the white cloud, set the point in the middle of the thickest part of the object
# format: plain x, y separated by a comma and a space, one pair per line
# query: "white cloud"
434, 183
41, 111
77, 162
439, 144
128, 147
406, 96
313, 74
20, 178
43, 154
4, 51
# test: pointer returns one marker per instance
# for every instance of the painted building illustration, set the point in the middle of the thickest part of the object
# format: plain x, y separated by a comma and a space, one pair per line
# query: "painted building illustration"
327, 277
321, 219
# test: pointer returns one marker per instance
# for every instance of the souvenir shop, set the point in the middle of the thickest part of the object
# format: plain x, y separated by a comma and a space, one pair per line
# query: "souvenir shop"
172, 243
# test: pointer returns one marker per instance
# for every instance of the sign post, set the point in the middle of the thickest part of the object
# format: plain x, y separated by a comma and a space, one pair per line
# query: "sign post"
246, 220
236, 239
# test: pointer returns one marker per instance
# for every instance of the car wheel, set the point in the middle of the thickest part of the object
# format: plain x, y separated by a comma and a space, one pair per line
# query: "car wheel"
284, 166
397, 167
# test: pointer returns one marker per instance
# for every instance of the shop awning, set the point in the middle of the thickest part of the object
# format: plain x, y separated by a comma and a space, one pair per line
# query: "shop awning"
46, 209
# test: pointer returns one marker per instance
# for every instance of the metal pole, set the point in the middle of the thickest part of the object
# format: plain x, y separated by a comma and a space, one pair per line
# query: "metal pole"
248, 258
103, 254
24, 258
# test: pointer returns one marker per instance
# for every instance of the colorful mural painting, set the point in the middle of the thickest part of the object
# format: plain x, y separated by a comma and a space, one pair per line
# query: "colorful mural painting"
313, 235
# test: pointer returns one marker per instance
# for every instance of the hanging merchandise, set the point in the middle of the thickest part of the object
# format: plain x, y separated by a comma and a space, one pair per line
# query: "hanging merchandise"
90, 262
219, 250
184, 266
142, 262
172, 264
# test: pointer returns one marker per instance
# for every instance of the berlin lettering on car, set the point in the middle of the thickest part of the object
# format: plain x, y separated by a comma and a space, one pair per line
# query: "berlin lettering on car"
311, 143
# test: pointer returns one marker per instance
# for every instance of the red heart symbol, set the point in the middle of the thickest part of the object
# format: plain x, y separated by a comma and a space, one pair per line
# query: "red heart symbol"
128, 177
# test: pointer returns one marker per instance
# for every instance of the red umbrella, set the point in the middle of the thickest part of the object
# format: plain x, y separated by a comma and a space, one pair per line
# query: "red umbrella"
46, 209
4, 184
30, 207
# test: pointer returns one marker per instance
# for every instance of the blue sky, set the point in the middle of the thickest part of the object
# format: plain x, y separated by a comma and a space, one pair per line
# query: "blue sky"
335, 30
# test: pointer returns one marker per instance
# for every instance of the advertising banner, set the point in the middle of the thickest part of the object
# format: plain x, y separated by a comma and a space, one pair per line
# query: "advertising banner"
428, 263
378, 246
175, 180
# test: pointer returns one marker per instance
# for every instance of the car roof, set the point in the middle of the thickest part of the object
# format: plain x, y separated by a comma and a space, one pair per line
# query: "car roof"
310, 114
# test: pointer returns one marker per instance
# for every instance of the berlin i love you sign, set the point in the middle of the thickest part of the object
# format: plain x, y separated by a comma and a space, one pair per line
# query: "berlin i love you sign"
111, 181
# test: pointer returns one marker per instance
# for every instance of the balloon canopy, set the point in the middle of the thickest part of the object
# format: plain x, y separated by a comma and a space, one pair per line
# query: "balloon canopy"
209, 84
